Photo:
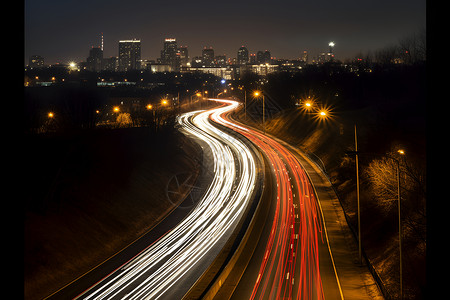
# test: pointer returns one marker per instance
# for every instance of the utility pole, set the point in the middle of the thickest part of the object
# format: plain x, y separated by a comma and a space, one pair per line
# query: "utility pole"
264, 115
245, 107
399, 229
357, 197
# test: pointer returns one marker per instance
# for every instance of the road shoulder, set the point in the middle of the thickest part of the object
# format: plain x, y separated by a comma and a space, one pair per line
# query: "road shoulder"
355, 279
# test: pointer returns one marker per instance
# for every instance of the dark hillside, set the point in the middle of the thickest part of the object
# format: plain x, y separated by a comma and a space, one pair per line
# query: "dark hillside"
388, 108
90, 194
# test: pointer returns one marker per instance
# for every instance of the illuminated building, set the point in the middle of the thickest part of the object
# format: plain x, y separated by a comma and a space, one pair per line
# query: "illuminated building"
170, 54
129, 55
305, 57
94, 61
36, 61
208, 56
110, 64
242, 56
184, 55
220, 60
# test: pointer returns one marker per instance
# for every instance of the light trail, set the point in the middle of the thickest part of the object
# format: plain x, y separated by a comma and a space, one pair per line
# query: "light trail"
290, 266
158, 268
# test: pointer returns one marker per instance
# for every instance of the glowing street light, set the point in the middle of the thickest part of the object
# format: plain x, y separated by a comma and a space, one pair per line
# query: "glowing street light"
51, 115
116, 109
164, 102
149, 106
256, 94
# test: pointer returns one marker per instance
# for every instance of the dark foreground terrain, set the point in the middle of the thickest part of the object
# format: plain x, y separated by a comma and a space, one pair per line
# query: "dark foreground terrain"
90, 194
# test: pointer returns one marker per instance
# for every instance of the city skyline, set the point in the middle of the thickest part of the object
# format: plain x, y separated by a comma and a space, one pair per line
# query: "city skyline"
62, 32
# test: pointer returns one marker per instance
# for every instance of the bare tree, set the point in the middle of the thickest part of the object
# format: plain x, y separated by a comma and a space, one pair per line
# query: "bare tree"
382, 176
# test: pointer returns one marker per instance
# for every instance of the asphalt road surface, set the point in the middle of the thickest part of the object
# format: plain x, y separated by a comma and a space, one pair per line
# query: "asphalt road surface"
292, 259
167, 268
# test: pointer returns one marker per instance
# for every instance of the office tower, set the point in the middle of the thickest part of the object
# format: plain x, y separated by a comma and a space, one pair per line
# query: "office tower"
184, 55
36, 61
330, 53
129, 55
94, 61
110, 64
208, 56
242, 56
170, 54
259, 57
305, 57
266, 57
220, 60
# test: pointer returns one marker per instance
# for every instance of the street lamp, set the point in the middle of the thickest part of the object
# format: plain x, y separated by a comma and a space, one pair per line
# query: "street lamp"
51, 115
357, 197
401, 152
256, 94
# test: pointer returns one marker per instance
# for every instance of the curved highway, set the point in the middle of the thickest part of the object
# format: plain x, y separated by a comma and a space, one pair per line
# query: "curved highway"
170, 266
292, 259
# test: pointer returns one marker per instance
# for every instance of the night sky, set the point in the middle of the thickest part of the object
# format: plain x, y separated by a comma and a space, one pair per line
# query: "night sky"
65, 30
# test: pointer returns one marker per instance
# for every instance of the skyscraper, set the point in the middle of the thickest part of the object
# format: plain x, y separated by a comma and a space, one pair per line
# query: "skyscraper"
170, 54
94, 61
208, 56
263, 57
242, 56
129, 55
184, 55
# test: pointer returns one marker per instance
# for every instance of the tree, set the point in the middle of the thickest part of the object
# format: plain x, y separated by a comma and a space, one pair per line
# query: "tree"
124, 120
382, 176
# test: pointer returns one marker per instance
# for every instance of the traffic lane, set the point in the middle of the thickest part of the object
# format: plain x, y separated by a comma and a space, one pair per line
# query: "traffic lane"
271, 251
316, 258
330, 284
198, 235
245, 287
113, 263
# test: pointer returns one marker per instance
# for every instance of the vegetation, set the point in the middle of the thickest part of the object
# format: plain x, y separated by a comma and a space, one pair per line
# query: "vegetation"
385, 100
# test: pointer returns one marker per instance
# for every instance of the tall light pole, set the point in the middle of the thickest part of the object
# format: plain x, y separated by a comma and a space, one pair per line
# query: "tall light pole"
331, 45
357, 198
245, 106
256, 94
401, 152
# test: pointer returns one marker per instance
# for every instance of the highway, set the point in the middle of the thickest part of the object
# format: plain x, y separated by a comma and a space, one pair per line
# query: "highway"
170, 266
292, 259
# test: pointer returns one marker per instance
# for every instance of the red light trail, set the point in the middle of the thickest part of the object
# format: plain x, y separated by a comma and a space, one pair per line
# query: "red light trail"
290, 267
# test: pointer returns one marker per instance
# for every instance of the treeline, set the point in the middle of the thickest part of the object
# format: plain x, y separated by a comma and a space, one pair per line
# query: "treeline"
74, 102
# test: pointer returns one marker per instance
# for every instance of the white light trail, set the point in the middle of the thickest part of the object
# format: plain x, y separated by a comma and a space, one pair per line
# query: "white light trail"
158, 268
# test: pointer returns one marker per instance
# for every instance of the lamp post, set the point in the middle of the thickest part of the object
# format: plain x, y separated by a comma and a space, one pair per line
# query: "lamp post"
256, 94
245, 105
357, 197
401, 152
